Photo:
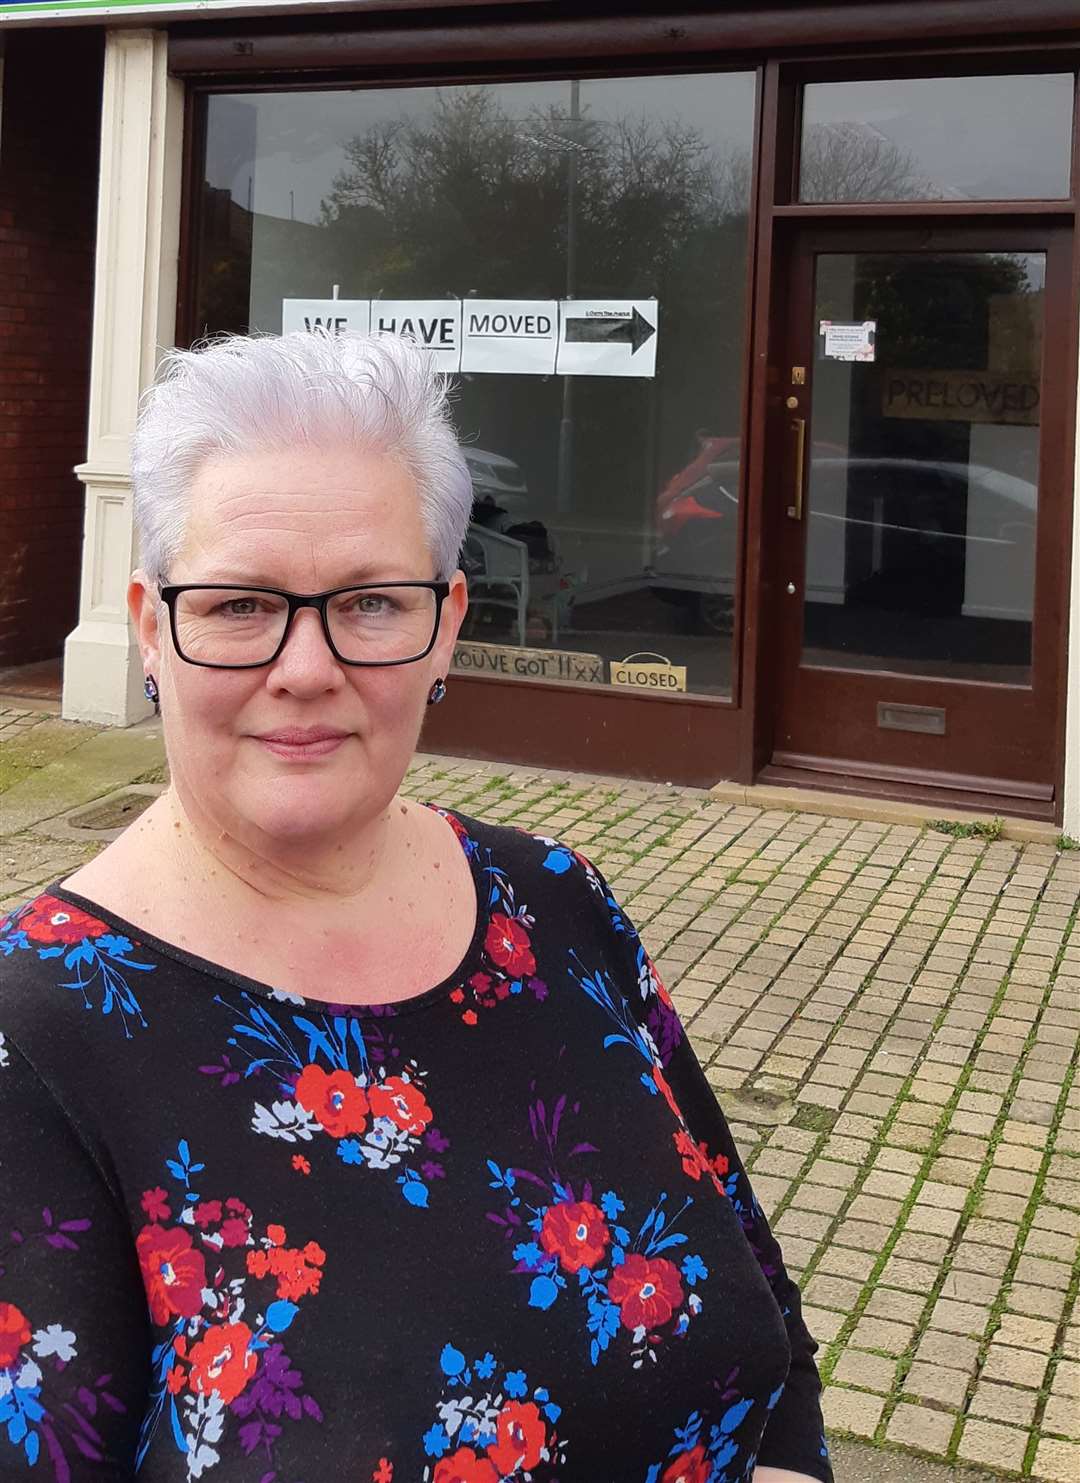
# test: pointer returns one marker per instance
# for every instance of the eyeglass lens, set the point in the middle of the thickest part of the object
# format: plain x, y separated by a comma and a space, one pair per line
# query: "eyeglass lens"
367, 625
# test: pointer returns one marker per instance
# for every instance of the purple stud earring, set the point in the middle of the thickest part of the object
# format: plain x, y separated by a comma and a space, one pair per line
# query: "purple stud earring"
438, 692
150, 689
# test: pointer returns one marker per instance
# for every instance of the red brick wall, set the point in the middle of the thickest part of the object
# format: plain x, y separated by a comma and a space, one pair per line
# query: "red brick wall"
49, 139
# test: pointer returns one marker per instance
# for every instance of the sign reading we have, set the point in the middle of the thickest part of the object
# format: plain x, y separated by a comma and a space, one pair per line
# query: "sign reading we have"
961, 396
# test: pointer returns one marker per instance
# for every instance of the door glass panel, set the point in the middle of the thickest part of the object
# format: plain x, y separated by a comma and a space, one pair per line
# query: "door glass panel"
606, 482
937, 139
922, 494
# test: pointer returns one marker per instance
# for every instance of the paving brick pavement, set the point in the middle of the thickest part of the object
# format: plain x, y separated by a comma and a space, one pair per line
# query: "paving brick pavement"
891, 1018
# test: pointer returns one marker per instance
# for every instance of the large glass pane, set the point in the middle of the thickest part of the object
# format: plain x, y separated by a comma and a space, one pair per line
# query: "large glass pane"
606, 512
924, 447
937, 139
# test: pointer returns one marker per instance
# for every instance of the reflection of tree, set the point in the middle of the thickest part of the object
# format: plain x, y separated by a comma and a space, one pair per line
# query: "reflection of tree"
473, 199
934, 310
854, 162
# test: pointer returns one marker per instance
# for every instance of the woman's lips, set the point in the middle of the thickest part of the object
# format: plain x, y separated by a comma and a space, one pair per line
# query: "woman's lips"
299, 745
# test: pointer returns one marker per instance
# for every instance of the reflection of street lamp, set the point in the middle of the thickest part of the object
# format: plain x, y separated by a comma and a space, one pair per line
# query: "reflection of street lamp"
573, 148
564, 486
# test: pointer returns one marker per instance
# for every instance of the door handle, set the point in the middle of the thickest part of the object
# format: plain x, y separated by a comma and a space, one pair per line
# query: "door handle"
799, 428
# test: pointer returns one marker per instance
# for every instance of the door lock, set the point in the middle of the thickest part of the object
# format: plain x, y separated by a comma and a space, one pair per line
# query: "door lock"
791, 589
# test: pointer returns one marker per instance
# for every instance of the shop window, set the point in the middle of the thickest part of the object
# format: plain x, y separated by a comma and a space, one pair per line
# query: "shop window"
576, 254
937, 139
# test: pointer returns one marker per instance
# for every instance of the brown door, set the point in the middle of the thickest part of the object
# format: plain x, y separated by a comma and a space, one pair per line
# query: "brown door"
922, 481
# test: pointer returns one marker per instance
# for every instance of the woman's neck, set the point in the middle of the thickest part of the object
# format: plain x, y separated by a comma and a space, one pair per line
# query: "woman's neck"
246, 868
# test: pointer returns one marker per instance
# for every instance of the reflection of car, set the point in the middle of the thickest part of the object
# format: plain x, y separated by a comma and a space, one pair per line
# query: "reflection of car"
497, 482
894, 533
697, 522
510, 557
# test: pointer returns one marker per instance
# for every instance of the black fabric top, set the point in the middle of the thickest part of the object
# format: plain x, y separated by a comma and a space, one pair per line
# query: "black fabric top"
495, 1231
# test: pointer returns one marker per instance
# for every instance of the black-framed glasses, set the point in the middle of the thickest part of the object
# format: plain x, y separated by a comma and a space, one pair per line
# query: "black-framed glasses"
229, 626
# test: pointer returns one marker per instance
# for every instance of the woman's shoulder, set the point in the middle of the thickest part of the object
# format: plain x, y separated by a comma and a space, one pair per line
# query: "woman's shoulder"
537, 878
509, 847
57, 958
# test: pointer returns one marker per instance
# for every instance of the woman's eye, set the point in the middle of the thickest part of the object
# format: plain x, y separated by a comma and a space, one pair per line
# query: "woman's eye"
237, 607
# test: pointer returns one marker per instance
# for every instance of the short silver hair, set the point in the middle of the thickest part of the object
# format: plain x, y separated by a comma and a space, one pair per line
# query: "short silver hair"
238, 394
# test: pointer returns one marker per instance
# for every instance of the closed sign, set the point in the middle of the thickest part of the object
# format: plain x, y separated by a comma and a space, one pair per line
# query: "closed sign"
651, 672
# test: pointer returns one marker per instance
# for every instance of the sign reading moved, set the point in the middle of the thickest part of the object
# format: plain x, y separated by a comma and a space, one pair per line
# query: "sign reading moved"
514, 336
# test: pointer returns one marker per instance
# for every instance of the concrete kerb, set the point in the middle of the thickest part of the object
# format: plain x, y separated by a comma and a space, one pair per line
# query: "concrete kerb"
877, 810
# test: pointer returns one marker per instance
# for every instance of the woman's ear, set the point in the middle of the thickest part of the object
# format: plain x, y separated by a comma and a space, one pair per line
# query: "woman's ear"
453, 615
143, 605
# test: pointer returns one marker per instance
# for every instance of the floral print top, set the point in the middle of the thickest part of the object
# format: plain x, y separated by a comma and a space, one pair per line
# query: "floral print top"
497, 1231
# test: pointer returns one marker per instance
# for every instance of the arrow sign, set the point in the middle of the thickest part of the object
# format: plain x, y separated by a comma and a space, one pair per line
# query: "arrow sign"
607, 329
613, 337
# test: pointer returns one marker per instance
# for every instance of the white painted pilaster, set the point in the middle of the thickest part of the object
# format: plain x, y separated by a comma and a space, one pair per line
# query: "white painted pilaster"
134, 315
1071, 821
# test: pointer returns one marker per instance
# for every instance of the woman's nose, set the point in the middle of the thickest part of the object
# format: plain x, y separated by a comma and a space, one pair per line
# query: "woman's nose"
307, 661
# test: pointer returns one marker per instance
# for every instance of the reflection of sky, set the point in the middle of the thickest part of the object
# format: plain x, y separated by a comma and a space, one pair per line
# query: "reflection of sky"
974, 137
298, 138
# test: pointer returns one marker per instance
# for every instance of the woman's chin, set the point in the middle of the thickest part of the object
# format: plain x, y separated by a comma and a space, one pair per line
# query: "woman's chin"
298, 810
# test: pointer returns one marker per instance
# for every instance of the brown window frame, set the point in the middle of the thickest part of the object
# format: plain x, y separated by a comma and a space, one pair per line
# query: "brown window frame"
696, 739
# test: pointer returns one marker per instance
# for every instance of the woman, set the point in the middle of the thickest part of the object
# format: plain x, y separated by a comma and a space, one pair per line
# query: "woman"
347, 1138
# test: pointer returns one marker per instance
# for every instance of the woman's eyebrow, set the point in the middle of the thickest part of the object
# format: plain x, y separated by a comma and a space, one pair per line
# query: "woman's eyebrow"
357, 577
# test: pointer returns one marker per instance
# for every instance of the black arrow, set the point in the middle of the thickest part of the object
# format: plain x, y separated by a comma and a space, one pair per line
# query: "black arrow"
607, 329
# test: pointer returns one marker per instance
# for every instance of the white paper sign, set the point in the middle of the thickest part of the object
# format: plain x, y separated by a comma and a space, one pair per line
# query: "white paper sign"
514, 336
341, 316
435, 324
607, 337
849, 341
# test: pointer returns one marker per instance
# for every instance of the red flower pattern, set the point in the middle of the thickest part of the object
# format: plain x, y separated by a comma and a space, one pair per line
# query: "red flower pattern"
50, 920
696, 1160
520, 1438
174, 1273
334, 1098
689, 1467
156, 1204
14, 1333
577, 1233
298, 1272
464, 1466
647, 1291
663, 1086
507, 944
223, 1361
402, 1102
